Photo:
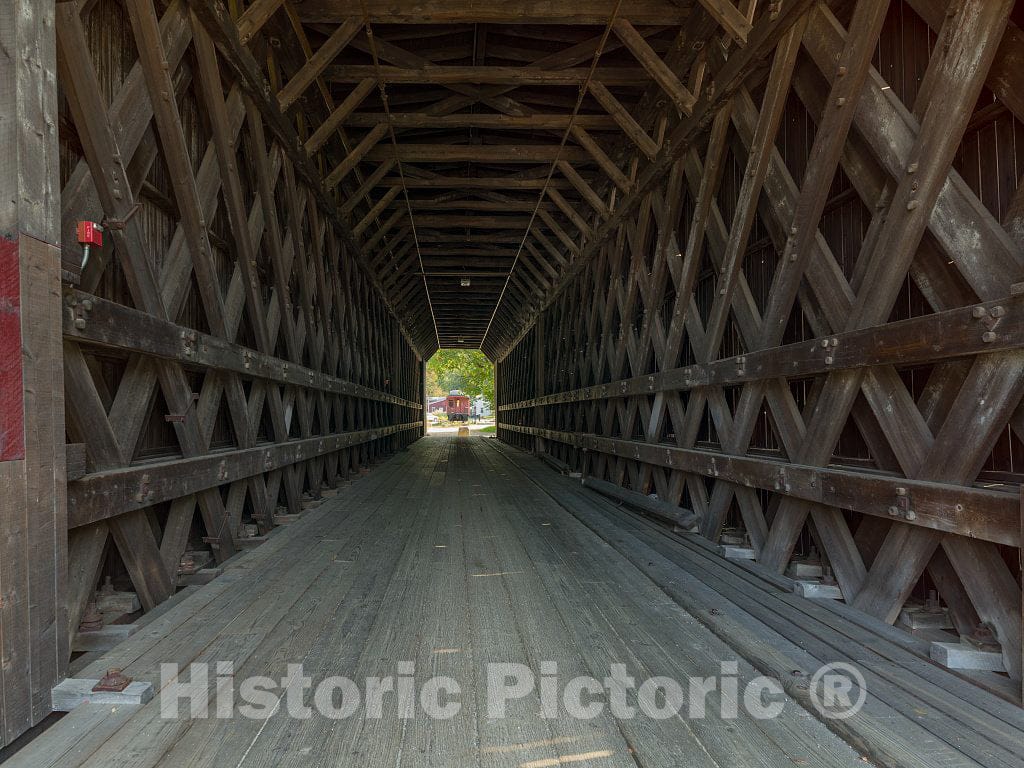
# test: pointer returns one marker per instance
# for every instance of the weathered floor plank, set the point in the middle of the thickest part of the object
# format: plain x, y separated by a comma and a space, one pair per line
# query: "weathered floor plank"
459, 553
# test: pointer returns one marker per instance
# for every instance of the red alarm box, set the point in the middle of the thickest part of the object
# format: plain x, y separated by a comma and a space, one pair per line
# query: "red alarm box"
90, 234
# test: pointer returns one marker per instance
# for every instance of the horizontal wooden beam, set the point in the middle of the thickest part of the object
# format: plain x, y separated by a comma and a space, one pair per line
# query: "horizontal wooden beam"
457, 182
102, 495
483, 75
475, 222
92, 320
478, 153
487, 206
447, 256
457, 239
989, 327
980, 513
596, 12
497, 122
465, 273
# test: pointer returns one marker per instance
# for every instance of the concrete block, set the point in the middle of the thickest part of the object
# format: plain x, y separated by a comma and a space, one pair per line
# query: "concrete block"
921, 617
733, 552
963, 656
118, 603
803, 569
102, 639
69, 693
806, 588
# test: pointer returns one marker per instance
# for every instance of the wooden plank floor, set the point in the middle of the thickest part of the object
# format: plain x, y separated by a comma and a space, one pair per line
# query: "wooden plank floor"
462, 552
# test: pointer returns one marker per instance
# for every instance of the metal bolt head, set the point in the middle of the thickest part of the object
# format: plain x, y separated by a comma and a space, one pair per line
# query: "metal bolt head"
988, 337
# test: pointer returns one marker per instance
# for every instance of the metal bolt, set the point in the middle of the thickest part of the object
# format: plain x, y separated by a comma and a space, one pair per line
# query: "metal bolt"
997, 311
893, 511
840, 101
80, 323
988, 337
911, 515
912, 205
978, 313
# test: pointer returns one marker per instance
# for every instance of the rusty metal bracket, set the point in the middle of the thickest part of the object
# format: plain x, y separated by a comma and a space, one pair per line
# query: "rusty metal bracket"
115, 681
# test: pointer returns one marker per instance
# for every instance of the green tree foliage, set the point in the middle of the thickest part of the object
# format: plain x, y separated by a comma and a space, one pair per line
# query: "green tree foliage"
463, 369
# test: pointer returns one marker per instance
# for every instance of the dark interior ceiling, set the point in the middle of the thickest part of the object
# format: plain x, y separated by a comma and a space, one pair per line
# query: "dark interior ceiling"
477, 147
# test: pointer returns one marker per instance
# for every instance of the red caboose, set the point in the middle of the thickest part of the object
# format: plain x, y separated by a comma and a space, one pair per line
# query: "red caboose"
458, 408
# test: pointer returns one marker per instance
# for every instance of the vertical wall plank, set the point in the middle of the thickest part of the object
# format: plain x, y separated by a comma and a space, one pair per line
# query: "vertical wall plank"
33, 517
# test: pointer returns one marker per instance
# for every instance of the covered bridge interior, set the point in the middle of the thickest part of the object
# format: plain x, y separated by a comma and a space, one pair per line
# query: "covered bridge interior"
752, 277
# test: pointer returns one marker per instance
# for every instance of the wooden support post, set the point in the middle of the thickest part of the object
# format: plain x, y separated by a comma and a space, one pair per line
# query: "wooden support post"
538, 378
33, 506
426, 411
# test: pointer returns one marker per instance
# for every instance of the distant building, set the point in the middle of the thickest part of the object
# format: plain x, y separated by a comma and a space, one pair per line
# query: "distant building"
437, 404
481, 408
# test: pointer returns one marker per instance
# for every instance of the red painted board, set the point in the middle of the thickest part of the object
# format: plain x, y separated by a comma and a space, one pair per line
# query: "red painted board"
12, 398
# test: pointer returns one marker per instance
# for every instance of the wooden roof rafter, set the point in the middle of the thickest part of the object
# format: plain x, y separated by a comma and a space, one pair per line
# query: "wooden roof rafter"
486, 117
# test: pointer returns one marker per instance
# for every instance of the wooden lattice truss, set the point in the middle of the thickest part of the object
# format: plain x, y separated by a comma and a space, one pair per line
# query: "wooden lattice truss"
227, 348
660, 365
